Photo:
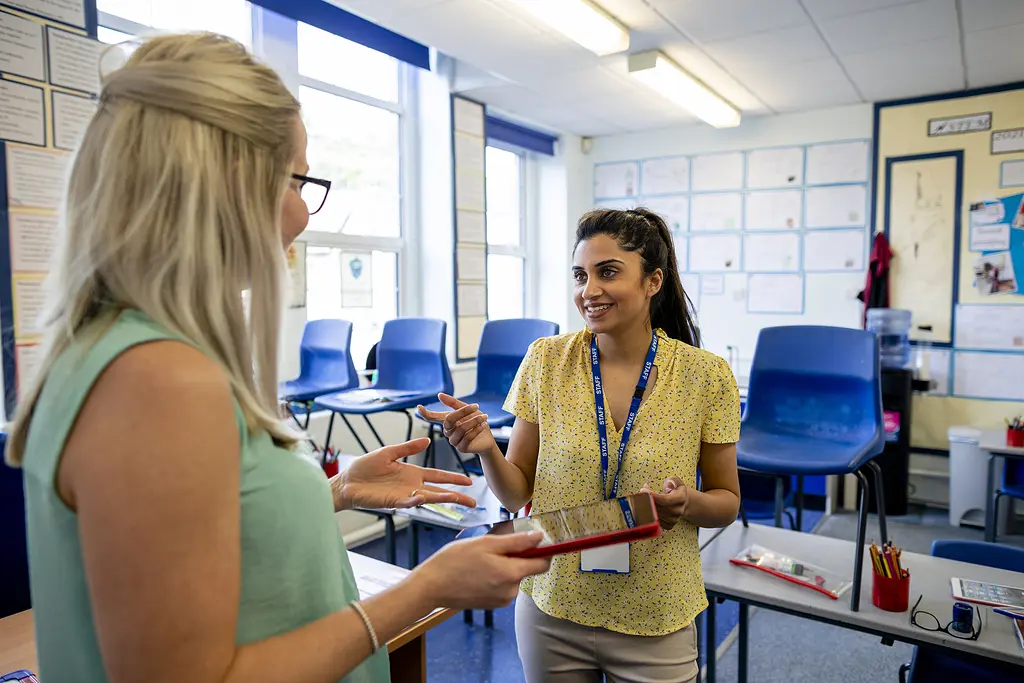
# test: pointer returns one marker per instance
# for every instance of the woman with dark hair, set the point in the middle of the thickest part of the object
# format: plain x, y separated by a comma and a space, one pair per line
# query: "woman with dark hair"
624, 612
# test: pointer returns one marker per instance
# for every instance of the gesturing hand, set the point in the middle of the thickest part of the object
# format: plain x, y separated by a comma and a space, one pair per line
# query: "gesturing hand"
464, 426
671, 502
380, 480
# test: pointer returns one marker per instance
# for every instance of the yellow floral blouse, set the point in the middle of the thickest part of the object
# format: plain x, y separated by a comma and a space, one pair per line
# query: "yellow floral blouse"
694, 400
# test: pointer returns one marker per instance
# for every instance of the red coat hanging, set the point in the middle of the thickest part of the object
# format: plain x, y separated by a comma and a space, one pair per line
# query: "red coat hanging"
876, 286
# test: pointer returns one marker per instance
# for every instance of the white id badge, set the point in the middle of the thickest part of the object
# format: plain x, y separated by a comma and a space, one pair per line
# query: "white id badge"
609, 559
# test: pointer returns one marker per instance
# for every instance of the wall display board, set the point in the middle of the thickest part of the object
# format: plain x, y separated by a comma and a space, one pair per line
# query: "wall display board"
469, 144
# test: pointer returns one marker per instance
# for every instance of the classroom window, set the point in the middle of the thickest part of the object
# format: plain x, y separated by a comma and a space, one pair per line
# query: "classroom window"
360, 286
506, 260
110, 36
336, 61
230, 17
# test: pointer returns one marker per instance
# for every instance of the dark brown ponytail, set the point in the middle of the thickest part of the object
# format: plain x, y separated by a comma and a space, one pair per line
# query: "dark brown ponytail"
646, 233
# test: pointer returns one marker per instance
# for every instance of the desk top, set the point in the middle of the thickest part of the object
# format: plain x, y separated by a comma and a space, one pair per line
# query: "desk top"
995, 442
929, 576
17, 637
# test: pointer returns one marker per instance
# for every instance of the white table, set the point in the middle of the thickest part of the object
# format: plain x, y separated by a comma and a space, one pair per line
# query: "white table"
929, 576
994, 445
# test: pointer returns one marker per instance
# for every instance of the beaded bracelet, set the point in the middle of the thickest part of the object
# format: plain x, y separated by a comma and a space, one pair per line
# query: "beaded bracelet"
369, 626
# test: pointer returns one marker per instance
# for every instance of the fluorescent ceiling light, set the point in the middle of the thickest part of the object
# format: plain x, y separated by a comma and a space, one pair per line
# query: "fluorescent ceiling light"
582, 21
668, 79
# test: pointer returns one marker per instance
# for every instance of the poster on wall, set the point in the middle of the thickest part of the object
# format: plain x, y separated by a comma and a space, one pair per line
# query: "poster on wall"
997, 235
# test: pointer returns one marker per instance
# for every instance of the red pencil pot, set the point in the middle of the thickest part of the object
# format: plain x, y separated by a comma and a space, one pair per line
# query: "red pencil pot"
1015, 438
331, 467
892, 595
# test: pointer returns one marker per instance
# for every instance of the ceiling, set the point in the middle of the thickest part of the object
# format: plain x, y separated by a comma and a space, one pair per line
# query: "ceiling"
764, 56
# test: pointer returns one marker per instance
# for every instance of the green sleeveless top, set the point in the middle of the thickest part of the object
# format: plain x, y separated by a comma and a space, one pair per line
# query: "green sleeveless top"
295, 567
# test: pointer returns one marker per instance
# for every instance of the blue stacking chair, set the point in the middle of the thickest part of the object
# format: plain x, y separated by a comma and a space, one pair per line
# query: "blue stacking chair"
411, 369
503, 345
761, 498
928, 664
814, 407
325, 367
1012, 486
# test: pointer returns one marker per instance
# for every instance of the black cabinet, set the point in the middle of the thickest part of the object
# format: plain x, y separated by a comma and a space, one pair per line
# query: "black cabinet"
897, 393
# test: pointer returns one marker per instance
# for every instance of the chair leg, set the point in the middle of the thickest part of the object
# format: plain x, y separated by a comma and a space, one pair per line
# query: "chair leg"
366, 418
458, 461
904, 668
330, 428
779, 501
862, 527
876, 470
428, 458
309, 414
799, 503
408, 430
792, 522
355, 435
743, 516
995, 515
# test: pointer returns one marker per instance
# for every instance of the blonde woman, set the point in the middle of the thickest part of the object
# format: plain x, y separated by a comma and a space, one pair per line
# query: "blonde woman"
174, 534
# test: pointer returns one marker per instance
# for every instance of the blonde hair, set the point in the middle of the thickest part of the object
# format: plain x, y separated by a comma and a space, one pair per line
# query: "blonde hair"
173, 209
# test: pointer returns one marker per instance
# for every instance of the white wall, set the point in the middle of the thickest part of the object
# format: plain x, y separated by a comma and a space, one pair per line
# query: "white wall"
830, 298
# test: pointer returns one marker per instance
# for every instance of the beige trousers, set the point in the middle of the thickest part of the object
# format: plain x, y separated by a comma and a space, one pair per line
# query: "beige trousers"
559, 651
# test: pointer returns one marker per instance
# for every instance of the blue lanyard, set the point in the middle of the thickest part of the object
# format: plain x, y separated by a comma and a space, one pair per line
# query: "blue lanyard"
634, 406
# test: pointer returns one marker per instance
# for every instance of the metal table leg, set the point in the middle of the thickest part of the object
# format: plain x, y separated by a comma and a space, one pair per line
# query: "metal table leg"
366, 418
876, 471
698, 624
414, 544
389, 538
743, 643
862, 527
711, 646
990, 507
351, 429
489, 618
799, 502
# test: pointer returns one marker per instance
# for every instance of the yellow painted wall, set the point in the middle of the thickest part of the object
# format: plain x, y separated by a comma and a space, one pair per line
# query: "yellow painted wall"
903, 131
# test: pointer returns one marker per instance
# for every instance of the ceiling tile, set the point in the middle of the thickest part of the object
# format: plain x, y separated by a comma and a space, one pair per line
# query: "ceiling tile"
635, 14
830, 9
979, 15
581, 85
382, 10
993, 56
804, 85
707, 21
894, 26
798, 44
907, 71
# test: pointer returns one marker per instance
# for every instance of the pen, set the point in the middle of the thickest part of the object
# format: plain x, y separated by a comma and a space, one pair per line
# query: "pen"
1007, 613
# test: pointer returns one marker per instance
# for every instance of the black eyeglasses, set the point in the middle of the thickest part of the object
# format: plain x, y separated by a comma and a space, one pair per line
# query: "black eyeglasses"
929, 622
313, 191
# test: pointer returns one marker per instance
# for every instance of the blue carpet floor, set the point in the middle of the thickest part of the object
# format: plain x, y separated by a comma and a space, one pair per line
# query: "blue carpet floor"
472, 653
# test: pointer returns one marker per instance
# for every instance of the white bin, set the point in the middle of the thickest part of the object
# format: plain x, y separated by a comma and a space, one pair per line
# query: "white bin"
968, 481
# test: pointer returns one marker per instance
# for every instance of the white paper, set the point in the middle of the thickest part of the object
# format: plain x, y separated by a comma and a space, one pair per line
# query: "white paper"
29, 301
844, 162
71, 116
843, 206
471, 227
74, 60
717, 172
1004, 141
469, 190
35, 177
954, 125
21, 47
832, 250
22, 113
936, 369
373, 577
990, 237
988, 375
675, 211
470, 263
469, 152
469, 331
469, 117
1011, 173
716, 212
780, 210
997, 328
771, 253
670, 175
66, 11
692, 288
713, 285
27, 358
612, 181
768, 168
775, 294
715, 253
472, 300
33, 239
682, 247
356, 279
